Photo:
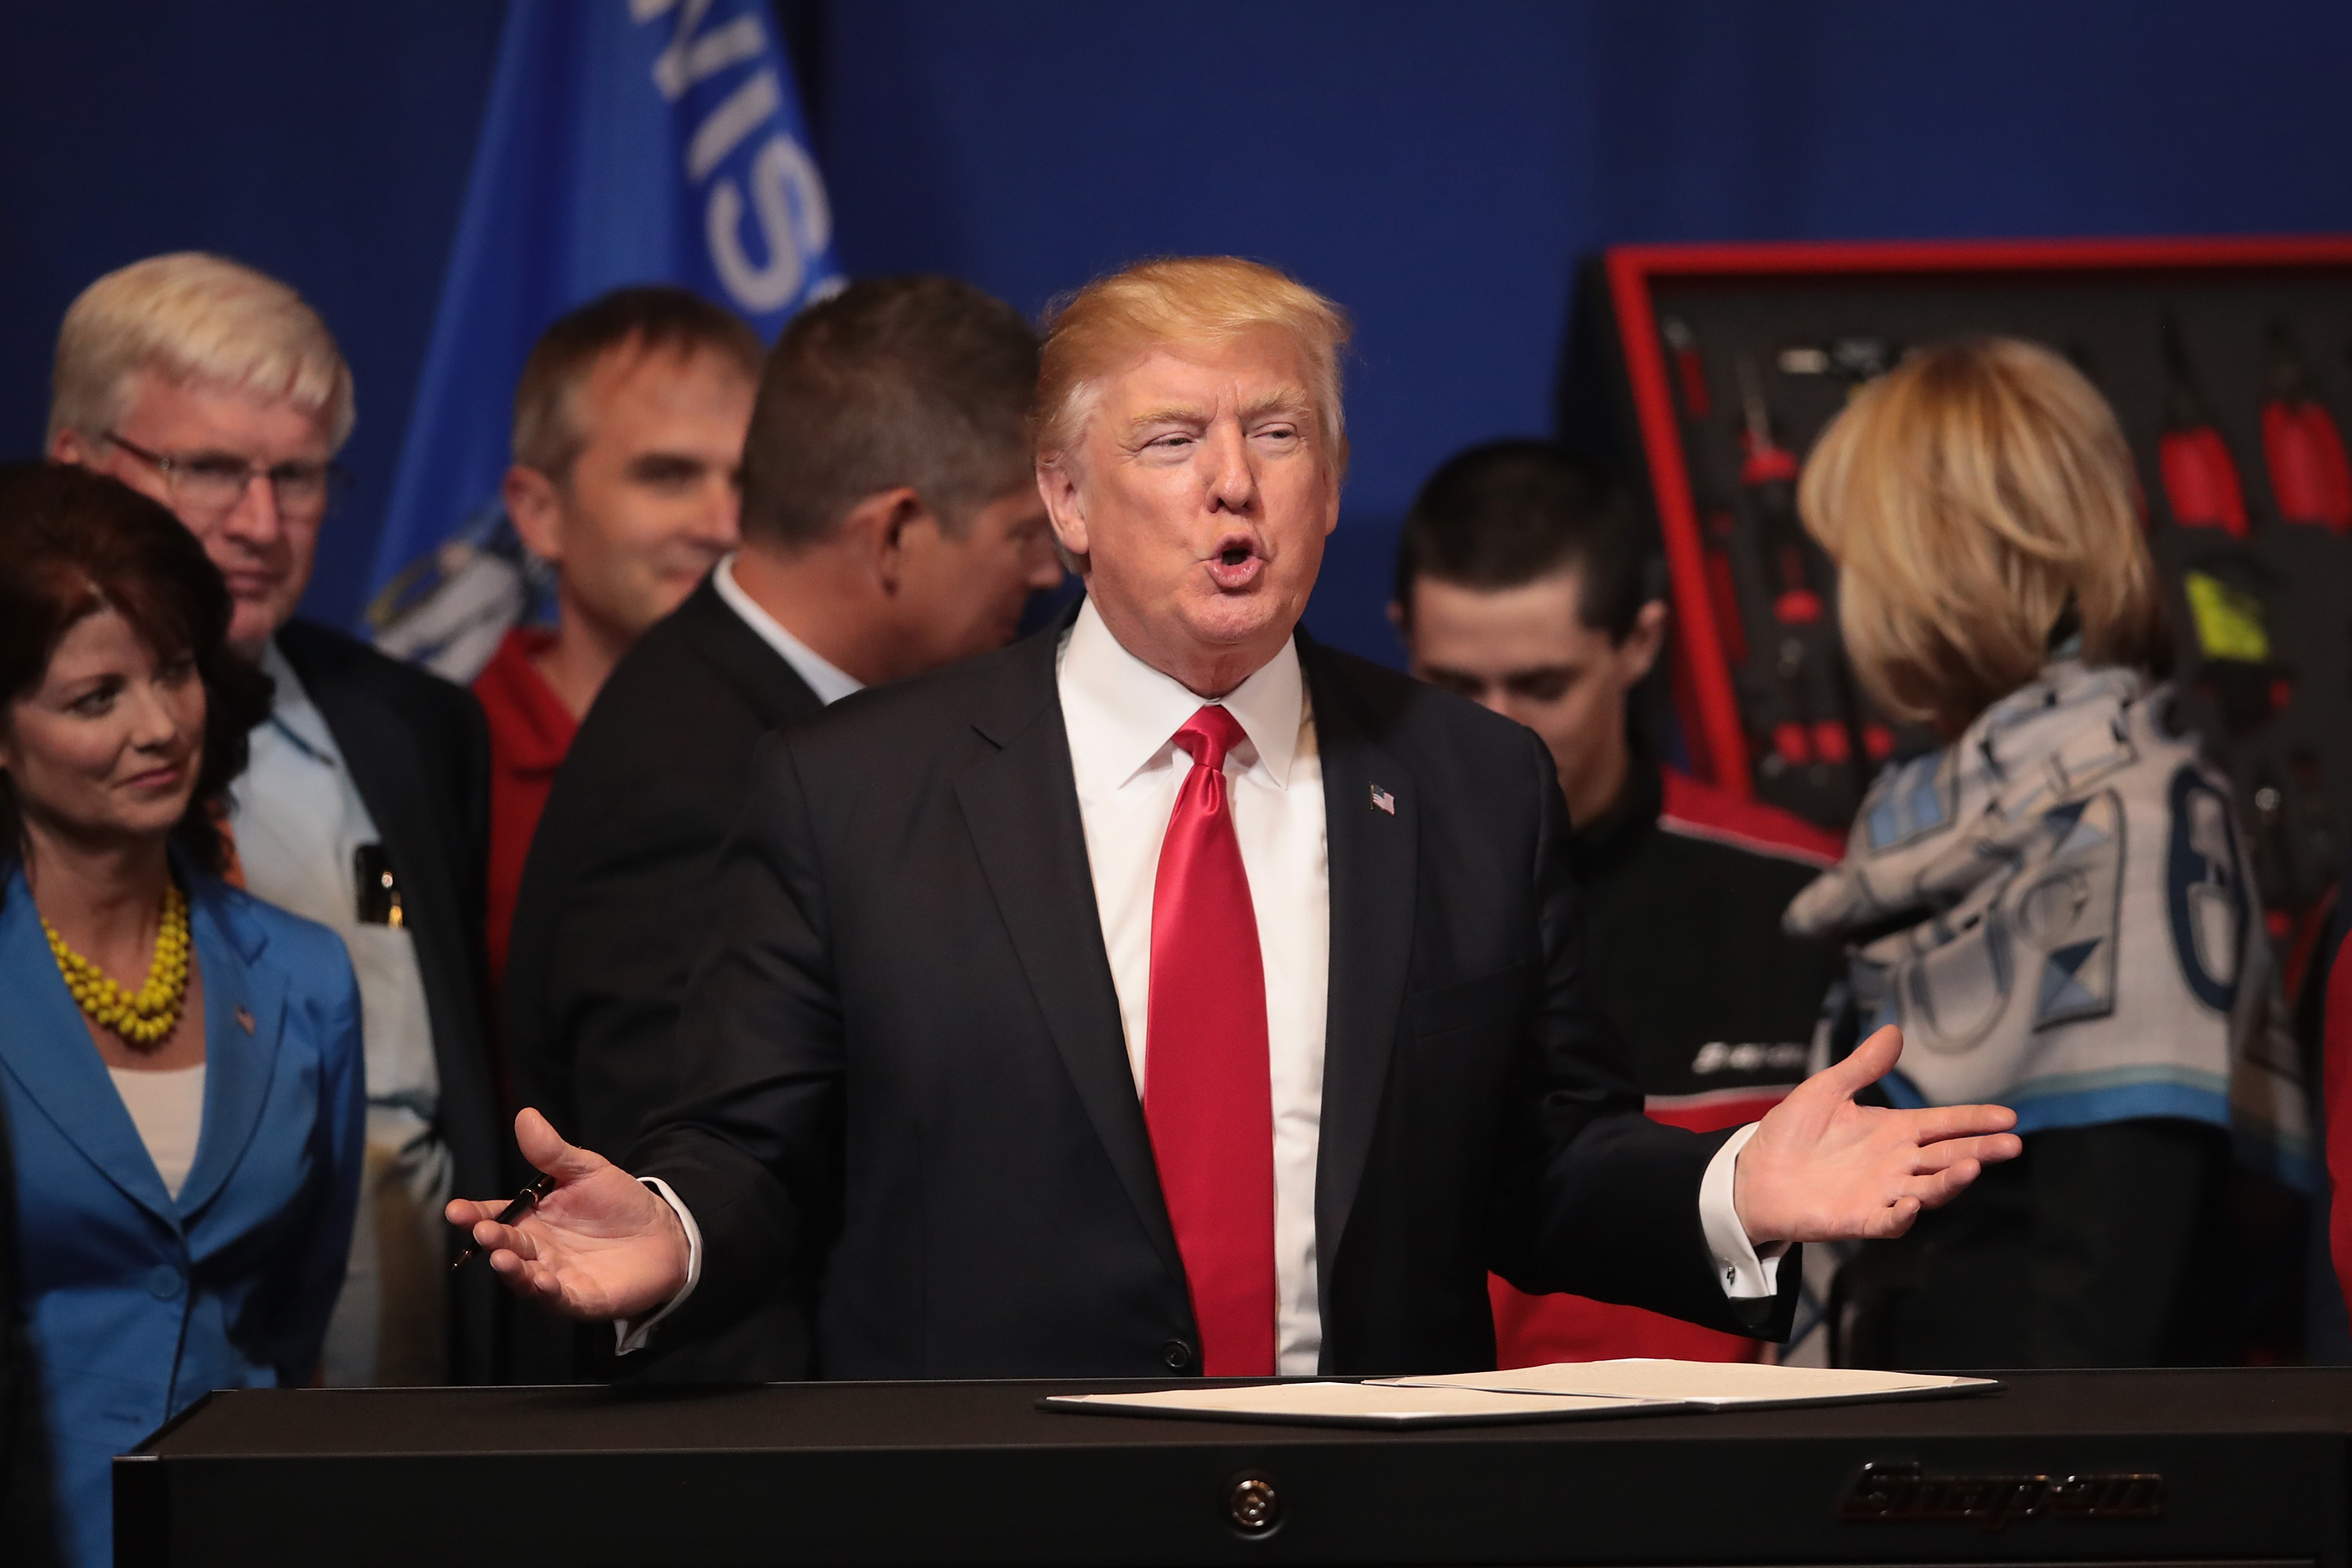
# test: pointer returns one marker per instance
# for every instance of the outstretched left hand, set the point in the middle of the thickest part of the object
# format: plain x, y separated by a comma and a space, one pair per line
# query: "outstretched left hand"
1822, 1168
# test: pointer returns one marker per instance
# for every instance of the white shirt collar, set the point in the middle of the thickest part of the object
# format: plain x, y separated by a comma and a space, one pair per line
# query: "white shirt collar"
830, 683
1128, 711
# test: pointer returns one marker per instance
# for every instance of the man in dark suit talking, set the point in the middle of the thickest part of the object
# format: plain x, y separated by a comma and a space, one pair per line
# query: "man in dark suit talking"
1168, 993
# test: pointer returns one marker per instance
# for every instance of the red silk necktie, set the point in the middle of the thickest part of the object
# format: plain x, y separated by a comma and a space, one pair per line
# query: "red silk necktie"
1206, 1096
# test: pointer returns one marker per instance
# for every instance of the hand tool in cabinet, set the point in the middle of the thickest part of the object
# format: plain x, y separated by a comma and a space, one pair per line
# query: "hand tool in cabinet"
1690, 372
2201, 481
2273, 860
1854, 359
1718, 528
1815, 731
2309, 475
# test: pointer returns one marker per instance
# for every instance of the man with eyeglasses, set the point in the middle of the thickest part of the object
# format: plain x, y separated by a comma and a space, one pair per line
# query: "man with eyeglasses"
218, 391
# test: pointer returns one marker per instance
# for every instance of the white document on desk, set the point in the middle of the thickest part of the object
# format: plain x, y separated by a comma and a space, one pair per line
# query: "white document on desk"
1359, 1404
1714, 1384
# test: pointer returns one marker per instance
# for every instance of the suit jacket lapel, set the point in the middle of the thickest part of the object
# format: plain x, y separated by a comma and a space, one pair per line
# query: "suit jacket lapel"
1372, 863
1021, 805
46, 1047
245, 1012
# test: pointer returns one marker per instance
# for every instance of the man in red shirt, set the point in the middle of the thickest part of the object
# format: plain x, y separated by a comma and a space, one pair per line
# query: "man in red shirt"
1522, 585
628, 446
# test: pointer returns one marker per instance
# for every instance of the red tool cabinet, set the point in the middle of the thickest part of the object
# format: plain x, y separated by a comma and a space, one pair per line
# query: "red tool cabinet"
2229, 362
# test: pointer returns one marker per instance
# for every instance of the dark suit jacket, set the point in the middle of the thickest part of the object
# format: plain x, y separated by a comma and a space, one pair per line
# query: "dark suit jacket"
616, 895
28, 1509
419, 755
908, 1086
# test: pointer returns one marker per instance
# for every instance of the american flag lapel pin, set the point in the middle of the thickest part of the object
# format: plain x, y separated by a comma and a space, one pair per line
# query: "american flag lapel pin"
1383, 801
245, 1020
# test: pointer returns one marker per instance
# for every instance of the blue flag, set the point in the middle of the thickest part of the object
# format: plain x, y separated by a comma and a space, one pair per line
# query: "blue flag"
626, 141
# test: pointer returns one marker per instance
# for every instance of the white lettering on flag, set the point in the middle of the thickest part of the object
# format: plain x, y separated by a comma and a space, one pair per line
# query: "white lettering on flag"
682, 64
747, 109
793, 222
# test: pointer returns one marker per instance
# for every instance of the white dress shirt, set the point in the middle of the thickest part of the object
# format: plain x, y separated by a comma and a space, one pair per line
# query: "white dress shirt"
830, 683
1122, 716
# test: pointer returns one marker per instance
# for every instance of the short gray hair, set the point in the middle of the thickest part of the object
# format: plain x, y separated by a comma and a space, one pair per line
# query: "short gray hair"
193, 318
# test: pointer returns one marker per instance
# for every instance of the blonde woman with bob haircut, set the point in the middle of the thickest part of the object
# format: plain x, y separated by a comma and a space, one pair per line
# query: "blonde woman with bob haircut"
1974, 501
2055, 907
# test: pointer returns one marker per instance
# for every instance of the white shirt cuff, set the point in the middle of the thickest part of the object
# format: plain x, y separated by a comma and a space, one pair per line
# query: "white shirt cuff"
631, 1336
1744, 1270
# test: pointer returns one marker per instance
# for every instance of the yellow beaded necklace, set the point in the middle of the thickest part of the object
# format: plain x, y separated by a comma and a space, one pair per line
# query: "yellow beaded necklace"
146, 1017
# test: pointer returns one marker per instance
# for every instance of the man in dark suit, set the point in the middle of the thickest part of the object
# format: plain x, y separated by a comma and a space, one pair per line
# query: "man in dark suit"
1171, 994
220, 392
890, 524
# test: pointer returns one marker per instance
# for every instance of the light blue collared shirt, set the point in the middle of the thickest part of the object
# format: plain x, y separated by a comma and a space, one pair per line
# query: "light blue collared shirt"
299, 821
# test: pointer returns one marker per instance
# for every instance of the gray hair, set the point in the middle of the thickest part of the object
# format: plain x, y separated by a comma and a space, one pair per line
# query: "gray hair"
193, 318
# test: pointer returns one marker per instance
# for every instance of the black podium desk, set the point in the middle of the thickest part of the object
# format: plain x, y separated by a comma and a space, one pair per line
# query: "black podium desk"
2224, 1466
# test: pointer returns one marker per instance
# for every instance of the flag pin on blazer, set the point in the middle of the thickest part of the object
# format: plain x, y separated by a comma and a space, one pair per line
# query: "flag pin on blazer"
245, 1020
1383, 801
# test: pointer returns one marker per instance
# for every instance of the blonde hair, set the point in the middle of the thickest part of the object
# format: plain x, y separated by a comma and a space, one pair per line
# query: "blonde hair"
193, 318
1975, 499
1180, 300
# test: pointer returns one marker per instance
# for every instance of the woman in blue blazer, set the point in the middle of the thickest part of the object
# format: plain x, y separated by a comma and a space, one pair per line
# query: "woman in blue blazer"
180, 1062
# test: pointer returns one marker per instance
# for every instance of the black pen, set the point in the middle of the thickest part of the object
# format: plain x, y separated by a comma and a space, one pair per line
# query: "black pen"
524, 1202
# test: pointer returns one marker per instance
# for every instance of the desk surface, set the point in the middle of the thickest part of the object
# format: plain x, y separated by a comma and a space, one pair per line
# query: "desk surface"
2249, 1467
488, 1421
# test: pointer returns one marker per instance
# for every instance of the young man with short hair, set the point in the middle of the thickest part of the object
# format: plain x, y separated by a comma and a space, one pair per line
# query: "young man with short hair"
1521, 586
628, 443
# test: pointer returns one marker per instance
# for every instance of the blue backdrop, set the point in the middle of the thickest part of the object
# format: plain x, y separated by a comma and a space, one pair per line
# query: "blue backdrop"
1438, 173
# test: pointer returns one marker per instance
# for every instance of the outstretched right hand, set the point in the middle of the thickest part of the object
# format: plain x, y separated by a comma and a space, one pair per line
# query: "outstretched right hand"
603, 1244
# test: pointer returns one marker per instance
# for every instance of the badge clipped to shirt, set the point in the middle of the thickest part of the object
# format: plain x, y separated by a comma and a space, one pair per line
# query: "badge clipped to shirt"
378, 894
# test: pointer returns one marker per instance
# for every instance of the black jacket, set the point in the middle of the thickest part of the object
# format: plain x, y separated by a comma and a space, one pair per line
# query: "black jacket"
419, 755
1684, 890
616, 895
27, 1505
616, 888
907, 1090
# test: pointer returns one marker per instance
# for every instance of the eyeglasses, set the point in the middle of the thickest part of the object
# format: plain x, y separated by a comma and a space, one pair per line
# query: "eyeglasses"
206, 486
